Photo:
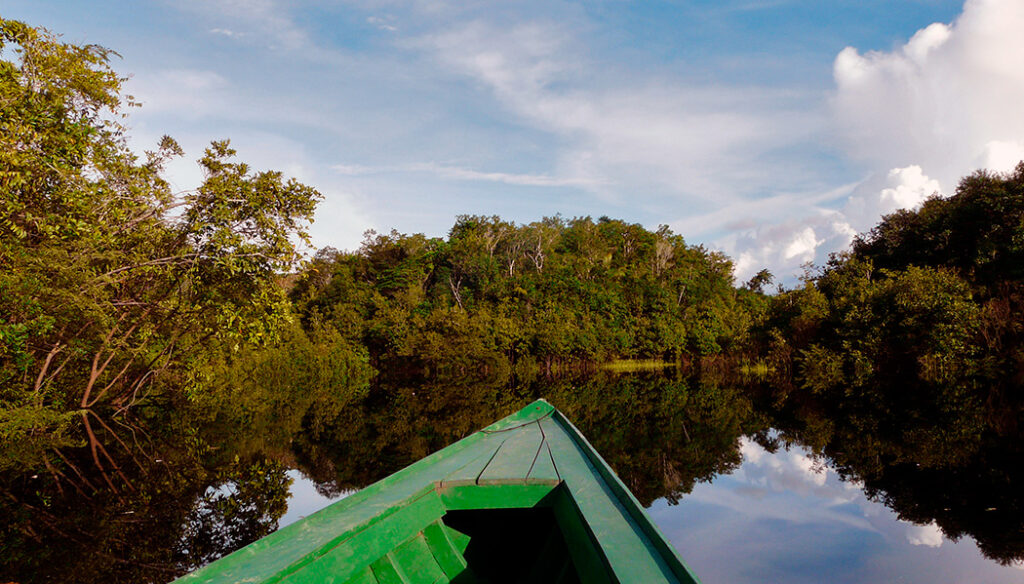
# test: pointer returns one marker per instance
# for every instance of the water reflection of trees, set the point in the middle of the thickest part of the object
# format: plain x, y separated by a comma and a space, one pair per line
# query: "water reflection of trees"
660, 434
175, 491
162, 503
147, 493
924, 448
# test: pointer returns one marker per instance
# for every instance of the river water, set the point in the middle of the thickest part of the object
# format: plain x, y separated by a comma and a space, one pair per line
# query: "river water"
781, 517
749, 485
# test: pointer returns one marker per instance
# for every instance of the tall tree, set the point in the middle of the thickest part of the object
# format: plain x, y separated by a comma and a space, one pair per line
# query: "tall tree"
111, 285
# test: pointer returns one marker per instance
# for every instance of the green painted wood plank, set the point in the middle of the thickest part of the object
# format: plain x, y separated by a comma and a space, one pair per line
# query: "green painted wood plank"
503, 496
538, 410
461, 540
587, 557
443, 548
363, 577
633, 546
417, 563
387, 571
543, 469
470, 472
366, 546
515, 456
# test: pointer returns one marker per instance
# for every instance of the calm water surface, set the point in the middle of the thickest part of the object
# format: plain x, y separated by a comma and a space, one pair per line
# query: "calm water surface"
782, 517
749, 483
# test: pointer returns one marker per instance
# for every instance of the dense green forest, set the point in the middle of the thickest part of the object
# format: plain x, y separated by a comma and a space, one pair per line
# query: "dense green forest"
495, 292
141, 328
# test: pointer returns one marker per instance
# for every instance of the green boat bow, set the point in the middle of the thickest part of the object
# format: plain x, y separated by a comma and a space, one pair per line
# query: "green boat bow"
526, 499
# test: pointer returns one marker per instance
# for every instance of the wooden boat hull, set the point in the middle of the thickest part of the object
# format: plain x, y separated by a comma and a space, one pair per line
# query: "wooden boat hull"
526, 499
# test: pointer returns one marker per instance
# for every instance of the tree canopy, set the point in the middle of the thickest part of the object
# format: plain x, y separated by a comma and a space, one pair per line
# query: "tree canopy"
553, 289
113, 287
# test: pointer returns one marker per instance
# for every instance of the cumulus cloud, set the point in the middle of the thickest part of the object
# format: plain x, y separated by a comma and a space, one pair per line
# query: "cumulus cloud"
927, 535
918, 118
900, 188
786, 470
786, 246
948, 100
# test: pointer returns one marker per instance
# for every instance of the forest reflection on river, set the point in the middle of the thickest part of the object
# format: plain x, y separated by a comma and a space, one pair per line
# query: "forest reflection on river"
749, 486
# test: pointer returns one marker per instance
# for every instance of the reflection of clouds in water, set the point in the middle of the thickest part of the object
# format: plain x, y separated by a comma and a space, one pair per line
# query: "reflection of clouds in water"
784, 470
929, 535
783, 517
793, 486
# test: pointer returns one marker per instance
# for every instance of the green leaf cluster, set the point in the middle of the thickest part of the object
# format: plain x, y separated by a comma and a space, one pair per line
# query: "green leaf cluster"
113, 288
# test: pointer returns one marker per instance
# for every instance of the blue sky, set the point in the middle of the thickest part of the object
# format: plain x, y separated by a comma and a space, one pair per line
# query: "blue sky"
772, 130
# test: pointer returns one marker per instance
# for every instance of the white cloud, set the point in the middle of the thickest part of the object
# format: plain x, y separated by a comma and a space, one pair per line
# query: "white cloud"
189, 93
1001, 154
918, 118
947, 101
622, 131
226, 32
266, 20
785, 246
802, 245
929, 535
383, 23
786, 470
461, 173
900, 188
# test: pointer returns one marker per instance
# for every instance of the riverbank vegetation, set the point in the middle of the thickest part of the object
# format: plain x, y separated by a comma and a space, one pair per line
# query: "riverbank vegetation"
114, 290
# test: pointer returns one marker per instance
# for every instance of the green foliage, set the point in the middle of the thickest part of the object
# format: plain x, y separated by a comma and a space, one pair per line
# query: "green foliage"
113, 289
554, 289
907, 358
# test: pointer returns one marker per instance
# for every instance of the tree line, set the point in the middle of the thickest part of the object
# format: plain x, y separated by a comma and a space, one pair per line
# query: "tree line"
493, 291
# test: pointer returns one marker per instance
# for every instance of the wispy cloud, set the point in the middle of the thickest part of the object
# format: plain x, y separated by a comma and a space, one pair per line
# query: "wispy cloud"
461, 173
687, 141
269, 20
227, 32
381, 22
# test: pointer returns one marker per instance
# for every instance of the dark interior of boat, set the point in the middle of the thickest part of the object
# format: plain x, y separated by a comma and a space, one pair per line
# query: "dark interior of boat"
513, 546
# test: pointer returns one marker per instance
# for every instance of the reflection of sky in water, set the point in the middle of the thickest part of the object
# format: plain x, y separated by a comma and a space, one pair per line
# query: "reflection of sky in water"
783, 518
303, 499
